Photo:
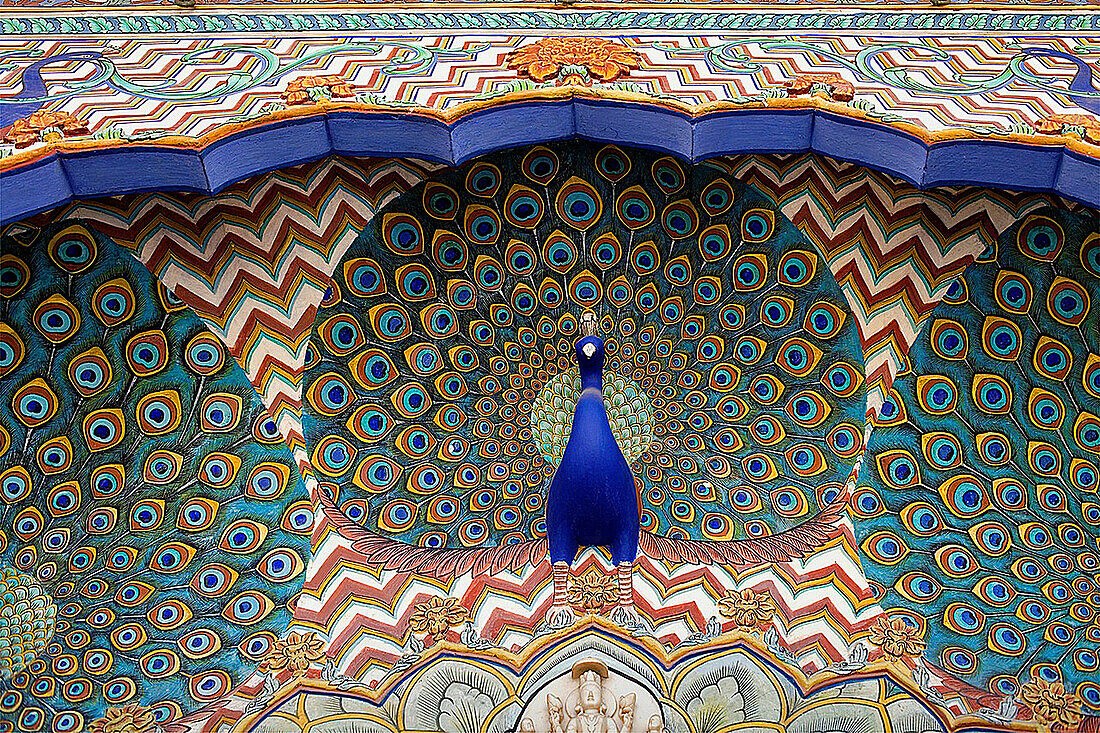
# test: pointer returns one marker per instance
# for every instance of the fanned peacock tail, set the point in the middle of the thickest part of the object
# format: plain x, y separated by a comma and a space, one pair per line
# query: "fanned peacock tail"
147, 505
440, 386
981, 512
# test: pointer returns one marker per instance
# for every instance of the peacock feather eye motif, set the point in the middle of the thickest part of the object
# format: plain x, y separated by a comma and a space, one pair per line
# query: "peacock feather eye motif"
1001, 493
127, 436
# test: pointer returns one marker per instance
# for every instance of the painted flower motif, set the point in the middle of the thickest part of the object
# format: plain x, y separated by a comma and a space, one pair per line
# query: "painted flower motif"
295, 653
897, 639
832, 84
1052, 706
310, 89
44, 126
1086, 126
747, 608
576, 60
437, 616
132, 718
592, 592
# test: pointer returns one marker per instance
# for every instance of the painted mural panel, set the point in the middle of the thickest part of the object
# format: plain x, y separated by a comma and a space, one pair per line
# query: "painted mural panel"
438, 391
154, 533
474, 369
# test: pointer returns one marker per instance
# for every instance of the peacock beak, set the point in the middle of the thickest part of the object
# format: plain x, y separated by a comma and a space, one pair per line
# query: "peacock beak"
589, 349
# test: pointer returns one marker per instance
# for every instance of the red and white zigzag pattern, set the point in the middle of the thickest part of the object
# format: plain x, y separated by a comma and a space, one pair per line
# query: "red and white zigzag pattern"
894, 250
255, 260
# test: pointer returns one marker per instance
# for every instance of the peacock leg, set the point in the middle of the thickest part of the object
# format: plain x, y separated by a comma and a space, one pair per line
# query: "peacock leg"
561, 614
625, 615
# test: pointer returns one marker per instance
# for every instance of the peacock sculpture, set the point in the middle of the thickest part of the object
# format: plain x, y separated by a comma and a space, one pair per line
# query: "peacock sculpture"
980, 512
452, 383
592, 499
150, 536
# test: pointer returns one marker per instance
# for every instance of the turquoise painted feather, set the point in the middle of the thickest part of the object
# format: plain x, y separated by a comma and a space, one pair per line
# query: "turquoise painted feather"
150, 537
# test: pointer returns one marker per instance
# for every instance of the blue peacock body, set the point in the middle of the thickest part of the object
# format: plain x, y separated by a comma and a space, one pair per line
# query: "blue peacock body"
592, 499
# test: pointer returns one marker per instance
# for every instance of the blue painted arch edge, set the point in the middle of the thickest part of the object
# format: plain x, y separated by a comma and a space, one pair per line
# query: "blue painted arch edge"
64, 176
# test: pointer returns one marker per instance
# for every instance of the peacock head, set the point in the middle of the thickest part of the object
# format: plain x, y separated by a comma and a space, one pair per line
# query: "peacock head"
590, 355
74, 56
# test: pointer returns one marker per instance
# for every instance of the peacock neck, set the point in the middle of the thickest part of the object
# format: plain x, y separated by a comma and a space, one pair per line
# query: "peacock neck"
592, 377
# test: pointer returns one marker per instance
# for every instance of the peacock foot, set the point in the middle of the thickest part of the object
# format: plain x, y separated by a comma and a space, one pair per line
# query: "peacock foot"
560, 617
628, 618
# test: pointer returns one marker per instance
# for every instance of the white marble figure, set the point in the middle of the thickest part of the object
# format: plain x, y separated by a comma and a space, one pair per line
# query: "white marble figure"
589, 708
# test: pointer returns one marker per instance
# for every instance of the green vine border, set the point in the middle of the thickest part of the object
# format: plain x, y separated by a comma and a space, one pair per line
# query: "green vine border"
894, 21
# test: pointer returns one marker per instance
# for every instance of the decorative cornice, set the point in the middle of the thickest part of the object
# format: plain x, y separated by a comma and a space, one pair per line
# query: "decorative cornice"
62, 171
641, 21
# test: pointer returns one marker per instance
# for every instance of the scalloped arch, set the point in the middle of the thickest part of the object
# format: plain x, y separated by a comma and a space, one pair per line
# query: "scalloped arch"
88, 169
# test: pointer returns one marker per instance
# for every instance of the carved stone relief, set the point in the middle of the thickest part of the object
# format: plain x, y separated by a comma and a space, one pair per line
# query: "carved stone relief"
592, 699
